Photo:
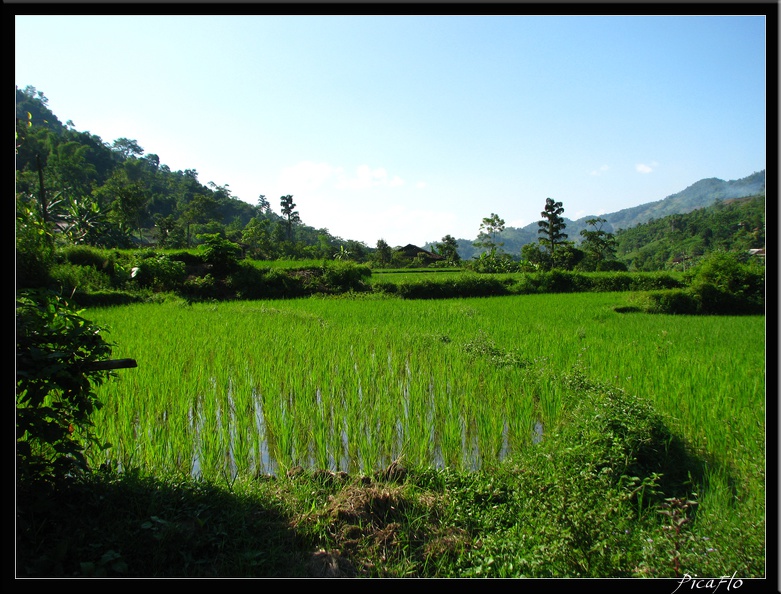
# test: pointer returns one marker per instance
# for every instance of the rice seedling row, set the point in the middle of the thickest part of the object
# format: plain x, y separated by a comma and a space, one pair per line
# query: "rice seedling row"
228, 389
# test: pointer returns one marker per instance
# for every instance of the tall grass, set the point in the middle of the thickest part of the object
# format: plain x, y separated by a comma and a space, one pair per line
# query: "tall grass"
229, 389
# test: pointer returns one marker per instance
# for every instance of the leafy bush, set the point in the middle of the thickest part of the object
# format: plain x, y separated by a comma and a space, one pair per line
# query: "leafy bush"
721, 285
219, 253
492, 262
160, 273
55, 379
654, 281
559, 281
70, 278
106, 298
246, 282
345, 276
385, 287
201, 288
672, 301
582, 502
82, 255
34, 248
606, 282
279, 283
724, 283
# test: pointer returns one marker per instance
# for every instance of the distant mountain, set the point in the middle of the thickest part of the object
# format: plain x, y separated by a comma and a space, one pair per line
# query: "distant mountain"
699, 195
703, 193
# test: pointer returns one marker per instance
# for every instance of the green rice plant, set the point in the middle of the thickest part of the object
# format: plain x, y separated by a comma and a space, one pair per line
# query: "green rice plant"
352, 384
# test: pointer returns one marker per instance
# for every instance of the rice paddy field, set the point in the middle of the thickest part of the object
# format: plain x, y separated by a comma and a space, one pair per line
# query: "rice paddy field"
229, 389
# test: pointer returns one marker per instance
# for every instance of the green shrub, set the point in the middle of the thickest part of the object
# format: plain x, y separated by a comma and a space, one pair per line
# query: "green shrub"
82, 255
247, 282
385, 287
725, 283
643, 281
108, 298
345, 276
671, 301
219, 253
582, 502
468, 285
278, 283
55, 386
677, 301
34, 245
608, 282
69, 277
160, 273
560, 281
722, 284
201, 288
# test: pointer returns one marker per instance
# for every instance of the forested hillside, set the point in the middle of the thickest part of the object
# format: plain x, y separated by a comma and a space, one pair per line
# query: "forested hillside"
117, 195
679, 239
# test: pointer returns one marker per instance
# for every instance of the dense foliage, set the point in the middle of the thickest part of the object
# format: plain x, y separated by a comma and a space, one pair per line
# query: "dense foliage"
56, 376
680, 240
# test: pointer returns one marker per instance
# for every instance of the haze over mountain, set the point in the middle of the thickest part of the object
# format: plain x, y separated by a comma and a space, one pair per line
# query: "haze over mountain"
698, 195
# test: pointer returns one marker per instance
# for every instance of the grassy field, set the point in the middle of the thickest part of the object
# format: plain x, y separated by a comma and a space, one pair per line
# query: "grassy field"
518, 436
353, 384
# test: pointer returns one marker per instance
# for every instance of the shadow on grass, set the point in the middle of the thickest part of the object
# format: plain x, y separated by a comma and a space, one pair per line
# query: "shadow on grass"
131, 526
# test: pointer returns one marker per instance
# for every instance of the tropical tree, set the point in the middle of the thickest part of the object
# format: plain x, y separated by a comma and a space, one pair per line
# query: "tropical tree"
290, 213
449, 249
72, 172
598, 245
383, 253
534, 258
125, 196
552, 226
489, 229
358, 250
257, 235
264, 206
127, 148
200, 210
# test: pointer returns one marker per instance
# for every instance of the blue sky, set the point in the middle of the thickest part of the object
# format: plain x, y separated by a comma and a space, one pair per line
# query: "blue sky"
408, 128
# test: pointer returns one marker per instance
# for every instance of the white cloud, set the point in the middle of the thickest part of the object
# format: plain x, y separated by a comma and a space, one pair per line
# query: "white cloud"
421, 185
400, 224
366, 177
600, 171
304, 177
643, 168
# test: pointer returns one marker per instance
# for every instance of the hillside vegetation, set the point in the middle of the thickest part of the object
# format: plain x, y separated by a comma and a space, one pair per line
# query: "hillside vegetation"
118, 196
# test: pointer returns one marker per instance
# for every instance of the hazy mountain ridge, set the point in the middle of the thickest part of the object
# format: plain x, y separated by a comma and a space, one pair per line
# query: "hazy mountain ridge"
700, 194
